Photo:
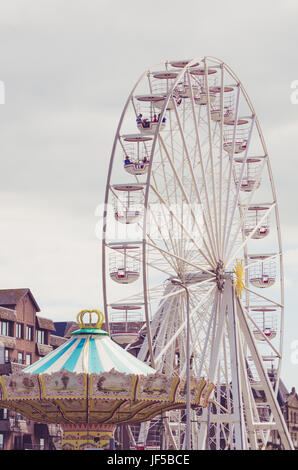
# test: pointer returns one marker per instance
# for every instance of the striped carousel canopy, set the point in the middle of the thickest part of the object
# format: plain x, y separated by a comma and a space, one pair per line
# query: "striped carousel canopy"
90, 350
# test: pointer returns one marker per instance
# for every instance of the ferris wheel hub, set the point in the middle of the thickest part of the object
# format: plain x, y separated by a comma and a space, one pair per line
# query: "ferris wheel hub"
220, 275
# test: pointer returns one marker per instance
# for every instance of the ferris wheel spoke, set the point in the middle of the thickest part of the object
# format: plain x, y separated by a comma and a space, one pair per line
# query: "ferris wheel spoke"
196, 348
264, 337
260, 261
211, 159
227, 235
265, 298
230, 171
200, 160
193, 178
186, 198
190, 237
173, 264
136, 258
183, 325
183, 260
165, 226
221, 143
176, 246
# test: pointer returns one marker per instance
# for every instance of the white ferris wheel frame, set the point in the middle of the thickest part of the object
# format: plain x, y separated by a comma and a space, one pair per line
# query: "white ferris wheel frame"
217, 246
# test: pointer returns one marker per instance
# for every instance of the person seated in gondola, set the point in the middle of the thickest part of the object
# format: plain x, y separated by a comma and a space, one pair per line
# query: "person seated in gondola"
127, 161
155, 118
146, 123
163, 119
139, 118
145, 160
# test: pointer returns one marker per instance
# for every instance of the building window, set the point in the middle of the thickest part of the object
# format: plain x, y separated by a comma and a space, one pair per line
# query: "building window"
20, 358
4, 413
19, 330
28, 359
177, 359
29, 333
4, 328
40, 337
1, 441
41, 444
6, 355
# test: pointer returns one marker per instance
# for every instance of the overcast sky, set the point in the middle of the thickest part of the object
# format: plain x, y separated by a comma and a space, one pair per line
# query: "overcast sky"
68, 67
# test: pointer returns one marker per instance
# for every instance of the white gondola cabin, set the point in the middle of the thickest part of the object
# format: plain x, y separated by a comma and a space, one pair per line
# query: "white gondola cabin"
228, 104
200, 72
266, 320
241, 136
262, 270
126, 320
186, 89
251, 176
253, 218
149, 125
228, 114
202, 98
163, 83
136, 153
174, 99
128, 203
157, 101
182, 63
124, 263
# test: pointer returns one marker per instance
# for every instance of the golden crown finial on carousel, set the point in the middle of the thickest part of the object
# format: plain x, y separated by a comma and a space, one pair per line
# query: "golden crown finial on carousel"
98, 324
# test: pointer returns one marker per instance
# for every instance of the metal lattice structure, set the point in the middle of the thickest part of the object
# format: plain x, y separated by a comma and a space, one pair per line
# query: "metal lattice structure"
190, 143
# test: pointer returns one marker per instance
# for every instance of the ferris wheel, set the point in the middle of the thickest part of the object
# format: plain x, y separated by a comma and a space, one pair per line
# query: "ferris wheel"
191, 227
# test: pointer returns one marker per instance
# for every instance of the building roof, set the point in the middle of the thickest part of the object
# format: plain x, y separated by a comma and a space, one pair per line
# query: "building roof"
7, 314
282, 393
11, 297
45, 323
62, 327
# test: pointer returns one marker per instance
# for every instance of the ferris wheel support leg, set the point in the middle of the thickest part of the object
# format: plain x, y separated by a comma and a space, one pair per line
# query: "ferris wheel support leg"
169, 432
248, 402
218, 329
266, 384
233, 333
226, 315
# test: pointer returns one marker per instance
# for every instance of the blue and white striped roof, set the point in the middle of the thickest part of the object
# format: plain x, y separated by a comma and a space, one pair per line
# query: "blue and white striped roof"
89, 353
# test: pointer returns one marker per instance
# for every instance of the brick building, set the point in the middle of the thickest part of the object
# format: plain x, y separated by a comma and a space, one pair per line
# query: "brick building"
290, 412
288, 403
25, 337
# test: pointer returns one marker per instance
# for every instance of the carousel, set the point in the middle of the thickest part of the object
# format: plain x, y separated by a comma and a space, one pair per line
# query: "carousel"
90, 384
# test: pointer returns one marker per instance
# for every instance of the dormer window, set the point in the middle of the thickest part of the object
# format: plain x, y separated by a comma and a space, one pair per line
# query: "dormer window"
40, 336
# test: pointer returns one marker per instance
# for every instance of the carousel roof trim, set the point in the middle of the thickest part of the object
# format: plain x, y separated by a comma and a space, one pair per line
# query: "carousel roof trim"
90, 353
